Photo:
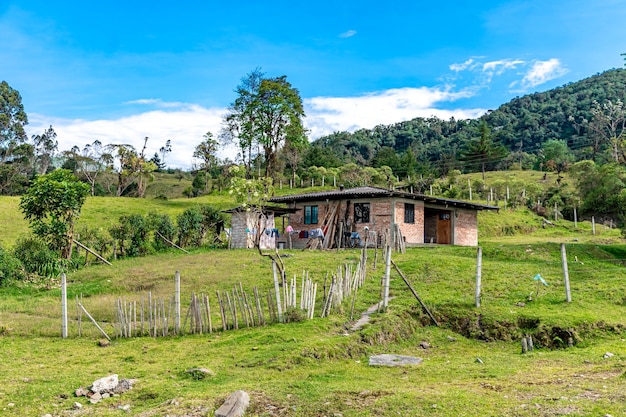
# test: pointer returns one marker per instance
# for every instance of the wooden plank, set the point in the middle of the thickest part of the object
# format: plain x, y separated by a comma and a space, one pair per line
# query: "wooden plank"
91, 251
406, 281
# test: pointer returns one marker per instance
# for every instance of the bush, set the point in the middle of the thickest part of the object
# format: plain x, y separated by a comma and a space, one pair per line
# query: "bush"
190, 227
10, 267
38, 258
162, 224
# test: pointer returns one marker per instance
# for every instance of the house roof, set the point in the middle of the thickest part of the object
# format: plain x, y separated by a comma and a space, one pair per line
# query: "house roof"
277, 210
376, 192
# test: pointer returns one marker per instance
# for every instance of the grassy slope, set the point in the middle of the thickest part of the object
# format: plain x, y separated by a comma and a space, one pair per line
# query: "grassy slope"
314, 368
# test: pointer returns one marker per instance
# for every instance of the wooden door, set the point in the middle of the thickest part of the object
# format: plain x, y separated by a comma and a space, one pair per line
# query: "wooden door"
444, 228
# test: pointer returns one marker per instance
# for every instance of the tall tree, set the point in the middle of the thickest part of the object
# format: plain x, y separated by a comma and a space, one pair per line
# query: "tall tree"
206, 152
164, 151
482, 150
52, 204
12, 121
46, 145
240, 123
608, 126
280, 112
267, 113
90, 162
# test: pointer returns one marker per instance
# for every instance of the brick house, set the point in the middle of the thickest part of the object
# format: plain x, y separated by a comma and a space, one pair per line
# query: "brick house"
370, 211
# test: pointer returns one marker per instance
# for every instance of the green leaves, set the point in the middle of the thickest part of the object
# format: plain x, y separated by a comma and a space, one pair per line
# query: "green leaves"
52, 204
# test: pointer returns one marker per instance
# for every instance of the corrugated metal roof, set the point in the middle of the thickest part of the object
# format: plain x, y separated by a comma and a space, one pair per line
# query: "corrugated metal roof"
376, 192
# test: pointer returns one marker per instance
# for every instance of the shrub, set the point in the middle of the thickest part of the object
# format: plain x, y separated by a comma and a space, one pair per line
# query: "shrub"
190, 227
162, 224
38, 258
10, 267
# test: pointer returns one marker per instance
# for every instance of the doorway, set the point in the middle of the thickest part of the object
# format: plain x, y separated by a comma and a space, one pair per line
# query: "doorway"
438, 226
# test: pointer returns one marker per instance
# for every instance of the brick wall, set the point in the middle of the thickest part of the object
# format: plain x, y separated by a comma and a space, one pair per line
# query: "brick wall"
466, 228
413, 233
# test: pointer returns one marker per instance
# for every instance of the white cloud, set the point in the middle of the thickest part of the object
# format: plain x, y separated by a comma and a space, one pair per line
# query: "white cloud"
534, 72
326, 115
463, 66
184, 127
500, 66
348, 34
186, 124
543, 71
157, 102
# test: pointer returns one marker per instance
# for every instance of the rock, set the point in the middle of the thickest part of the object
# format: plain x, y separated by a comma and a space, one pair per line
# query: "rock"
95, 398
125, 407
11, 405
608, 355
124, 385
81, 392
77, 406
105, 395
425, 345
235, 405
451, 339
394, 360
104, 343
478, 360
200, 373
108, 383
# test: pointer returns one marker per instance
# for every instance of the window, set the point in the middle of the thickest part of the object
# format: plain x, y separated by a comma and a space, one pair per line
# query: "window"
310, 214
361, 212
409, 213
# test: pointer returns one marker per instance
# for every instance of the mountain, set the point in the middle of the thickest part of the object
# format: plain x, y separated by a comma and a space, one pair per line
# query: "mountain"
521, 125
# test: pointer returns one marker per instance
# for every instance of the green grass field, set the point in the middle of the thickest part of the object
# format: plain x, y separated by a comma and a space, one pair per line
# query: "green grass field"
319, 367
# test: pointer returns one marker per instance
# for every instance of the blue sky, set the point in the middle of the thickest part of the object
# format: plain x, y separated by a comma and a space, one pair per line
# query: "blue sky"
120, 71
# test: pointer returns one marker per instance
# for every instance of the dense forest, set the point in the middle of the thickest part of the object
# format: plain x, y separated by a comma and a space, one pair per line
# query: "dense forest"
587, 115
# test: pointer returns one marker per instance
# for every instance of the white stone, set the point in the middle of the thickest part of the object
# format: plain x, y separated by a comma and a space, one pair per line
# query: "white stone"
393, 360
108, 383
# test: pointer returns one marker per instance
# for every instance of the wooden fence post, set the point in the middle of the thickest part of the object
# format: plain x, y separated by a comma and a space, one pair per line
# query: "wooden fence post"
568, 295
387, 271
593, 225
479, 270
177, 303
277, 290
64, 306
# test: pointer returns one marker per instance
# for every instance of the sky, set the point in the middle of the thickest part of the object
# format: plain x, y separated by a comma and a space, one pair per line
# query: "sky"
120, 71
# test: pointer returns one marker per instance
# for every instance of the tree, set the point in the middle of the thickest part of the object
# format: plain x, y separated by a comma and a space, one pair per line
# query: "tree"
12, 121
164, 150
555, 155
293, 152
89, 162
206, 151
45, 146
267, 113
280, 112
133, 167
482, 150
609, 126
240, 123
51, 205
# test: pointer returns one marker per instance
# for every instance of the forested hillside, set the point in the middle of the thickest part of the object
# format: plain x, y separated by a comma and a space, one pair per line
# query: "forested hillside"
586, 114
